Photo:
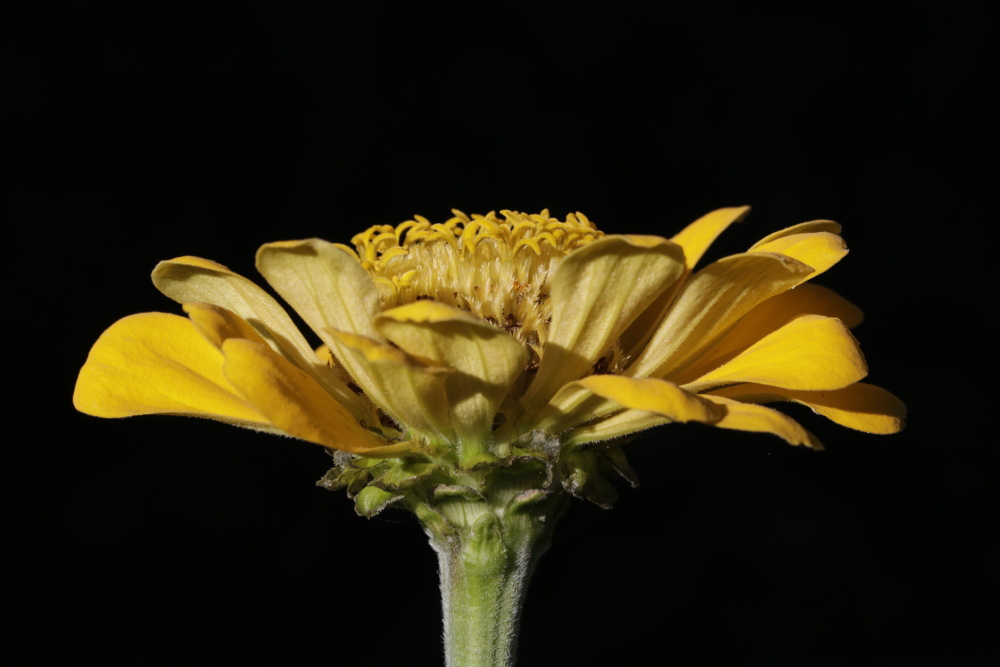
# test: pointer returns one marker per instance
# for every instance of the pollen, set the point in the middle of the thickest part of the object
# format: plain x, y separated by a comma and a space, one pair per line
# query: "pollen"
496, 268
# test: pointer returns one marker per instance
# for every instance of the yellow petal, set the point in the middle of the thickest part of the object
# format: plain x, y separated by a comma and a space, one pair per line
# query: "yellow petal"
599, 396
811, 353
759, 419
617, 425
486, 359
768, 317
324, 284
578, 404
197, 280
155, 363
409, 390
695, 240
711, 302
633, 340
218, 325
651, 395
820, 250
807, 299
596, 292
802, 228
700, 234
860, 406
572, 406
293, 400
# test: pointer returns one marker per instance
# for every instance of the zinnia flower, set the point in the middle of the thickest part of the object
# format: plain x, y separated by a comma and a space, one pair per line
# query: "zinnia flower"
463, 337
478, 368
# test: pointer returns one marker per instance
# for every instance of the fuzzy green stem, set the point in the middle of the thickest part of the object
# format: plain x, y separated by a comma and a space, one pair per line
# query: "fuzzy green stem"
487, 555
482, 596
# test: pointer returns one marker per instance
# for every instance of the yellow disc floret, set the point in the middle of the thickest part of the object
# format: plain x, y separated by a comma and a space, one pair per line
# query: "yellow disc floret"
496, 269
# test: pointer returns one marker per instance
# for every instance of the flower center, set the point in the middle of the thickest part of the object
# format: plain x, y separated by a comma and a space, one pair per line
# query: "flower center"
496, 269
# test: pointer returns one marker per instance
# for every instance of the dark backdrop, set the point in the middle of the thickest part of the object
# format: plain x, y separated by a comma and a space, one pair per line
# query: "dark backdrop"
144, 131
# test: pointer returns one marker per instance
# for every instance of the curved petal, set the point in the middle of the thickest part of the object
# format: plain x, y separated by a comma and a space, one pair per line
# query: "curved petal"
768, 317
409, 390
811, 353
155, 363
617, 425
218, 325
694, 240
652, 395
807, 299
860, 406
634, 338
487, 359
759, 419
710, 303
815, 244
595, 397
700, 234
596, 292
572, 406
801, 228
326, 285
820, 250
293, 400
194, 280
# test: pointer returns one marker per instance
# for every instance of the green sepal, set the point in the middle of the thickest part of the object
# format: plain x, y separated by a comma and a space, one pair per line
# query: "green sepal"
582, 478
517, 458
434, 522
366, 462
371, 500
455, 492
352, 479
546, 463
527, 461
475, 458
404, 475
614, 456
335, 479
526, 501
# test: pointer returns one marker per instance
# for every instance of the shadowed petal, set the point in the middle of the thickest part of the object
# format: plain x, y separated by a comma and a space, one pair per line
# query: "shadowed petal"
617, 425
572, 405
596, 292
597, 397
651, 395
695, 239
860, 406
409, 390
293, 400
194, 280
759, 419
809, 353
486, 359
323, 283
807, 299
710, 303
218, 325
768, 317
155, 363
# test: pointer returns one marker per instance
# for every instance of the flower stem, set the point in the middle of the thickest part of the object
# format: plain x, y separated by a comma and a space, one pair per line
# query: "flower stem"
486, 562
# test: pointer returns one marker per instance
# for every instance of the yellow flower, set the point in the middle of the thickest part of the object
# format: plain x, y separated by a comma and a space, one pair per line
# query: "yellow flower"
468, 339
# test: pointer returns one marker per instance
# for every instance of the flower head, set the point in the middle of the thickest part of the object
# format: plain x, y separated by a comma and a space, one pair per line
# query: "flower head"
486, 338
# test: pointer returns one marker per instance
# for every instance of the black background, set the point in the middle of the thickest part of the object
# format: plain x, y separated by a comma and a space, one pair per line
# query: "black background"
146, 131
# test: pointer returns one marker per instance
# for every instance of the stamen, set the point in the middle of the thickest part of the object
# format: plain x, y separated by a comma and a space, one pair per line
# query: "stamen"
497, 269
